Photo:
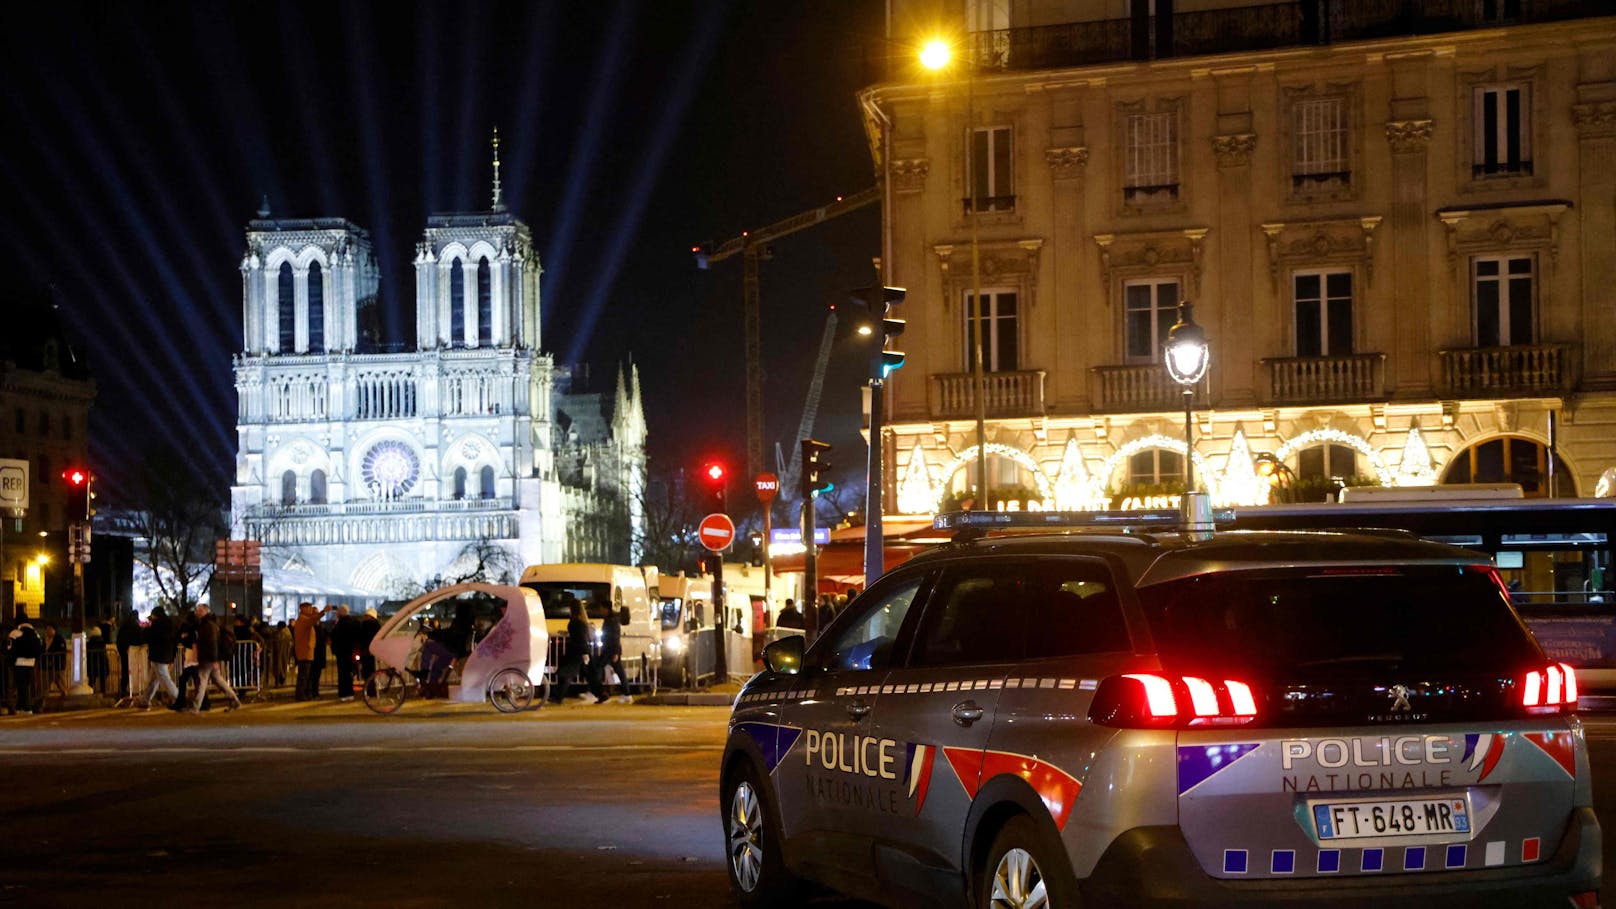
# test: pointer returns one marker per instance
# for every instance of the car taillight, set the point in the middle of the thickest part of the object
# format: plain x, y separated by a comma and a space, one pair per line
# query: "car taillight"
1552, 689
1148, 700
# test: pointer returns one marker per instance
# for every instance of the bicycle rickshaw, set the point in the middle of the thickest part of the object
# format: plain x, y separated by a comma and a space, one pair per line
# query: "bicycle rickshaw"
506, 666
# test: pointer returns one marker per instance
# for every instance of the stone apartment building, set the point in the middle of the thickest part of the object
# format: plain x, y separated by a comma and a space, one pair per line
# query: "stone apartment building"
1397, 222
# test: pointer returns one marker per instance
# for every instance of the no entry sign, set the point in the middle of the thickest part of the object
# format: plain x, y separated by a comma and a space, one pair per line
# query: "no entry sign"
716, 531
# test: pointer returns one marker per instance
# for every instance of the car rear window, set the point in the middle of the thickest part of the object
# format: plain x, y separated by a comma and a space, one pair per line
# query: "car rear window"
1328, 621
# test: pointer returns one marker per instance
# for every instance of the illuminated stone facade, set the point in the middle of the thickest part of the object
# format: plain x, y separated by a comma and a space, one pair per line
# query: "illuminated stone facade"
1403, 250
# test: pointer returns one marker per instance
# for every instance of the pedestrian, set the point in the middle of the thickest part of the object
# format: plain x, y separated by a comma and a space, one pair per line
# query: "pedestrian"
610, 659
790, 616
162, 644
369, 624
130, 634
55, 661
344, 643
95, 659
574, 663
322, 649
25, 650
303, 650
280, 644
188, 666
213, 642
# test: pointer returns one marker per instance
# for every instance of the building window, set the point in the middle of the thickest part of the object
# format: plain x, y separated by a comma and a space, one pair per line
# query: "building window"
486, 476
485, 303
1321, 144
1155, 466
457, 305
1000, 349
317, 487
289, 488
316, 308
1323, 313
1503, 120
287, 308
459, 483
988, 171
1150, 308
1324, 462
1150, 158
1502, 286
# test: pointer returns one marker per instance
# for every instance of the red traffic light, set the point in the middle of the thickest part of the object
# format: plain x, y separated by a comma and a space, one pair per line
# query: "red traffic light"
714, 472
76, 476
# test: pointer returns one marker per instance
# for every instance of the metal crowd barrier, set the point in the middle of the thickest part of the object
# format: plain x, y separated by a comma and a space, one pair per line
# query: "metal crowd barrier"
246, 672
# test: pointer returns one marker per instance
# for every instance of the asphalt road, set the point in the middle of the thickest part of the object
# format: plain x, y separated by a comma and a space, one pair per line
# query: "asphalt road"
440, 805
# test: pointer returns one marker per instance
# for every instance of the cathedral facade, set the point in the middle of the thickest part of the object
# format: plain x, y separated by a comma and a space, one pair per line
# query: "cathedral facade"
369, 475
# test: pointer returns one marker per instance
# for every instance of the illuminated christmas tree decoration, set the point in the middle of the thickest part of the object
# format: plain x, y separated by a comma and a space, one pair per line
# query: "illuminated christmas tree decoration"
916, 494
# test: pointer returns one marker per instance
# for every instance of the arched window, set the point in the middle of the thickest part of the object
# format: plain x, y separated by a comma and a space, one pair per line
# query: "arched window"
487, 477
289, 488
1156, 467
1322, 462
316, 308
485, 303
317, 487
457, 305
288, 309
460, 483
1511, 459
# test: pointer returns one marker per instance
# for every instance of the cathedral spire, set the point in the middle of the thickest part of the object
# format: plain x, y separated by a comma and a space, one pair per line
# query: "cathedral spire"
499, 201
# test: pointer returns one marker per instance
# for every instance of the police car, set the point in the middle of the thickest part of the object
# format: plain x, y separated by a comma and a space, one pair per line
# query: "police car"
1137, 718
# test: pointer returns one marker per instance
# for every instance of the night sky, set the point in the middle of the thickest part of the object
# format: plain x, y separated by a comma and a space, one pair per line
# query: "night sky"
139, 139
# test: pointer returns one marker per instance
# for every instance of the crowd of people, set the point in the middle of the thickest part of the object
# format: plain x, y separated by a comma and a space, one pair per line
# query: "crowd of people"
187, 657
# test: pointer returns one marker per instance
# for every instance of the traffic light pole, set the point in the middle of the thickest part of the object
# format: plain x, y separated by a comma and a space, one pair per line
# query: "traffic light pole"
874, 542
810, 571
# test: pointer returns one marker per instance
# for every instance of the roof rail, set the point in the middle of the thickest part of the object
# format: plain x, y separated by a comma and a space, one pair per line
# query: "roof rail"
1162, 518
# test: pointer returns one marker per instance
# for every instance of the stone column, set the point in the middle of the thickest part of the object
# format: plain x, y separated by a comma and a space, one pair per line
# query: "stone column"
1235, 358
252, 302
1416, 304
1068, 166
500, 305
468, 281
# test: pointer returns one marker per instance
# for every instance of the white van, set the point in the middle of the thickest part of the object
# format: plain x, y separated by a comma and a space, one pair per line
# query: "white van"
684, 607
600, 586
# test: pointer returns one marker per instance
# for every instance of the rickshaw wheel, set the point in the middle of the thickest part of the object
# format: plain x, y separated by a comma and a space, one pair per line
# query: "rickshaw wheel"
385, 691
510, 691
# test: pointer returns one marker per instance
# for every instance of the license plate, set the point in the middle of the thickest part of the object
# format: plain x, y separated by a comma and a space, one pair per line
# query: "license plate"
1390, 817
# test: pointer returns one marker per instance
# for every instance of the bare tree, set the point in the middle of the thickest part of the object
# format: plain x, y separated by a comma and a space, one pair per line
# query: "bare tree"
669, 517
180, 517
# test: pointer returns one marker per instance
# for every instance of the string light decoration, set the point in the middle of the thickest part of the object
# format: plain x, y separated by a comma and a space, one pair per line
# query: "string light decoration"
916, 493
1045, 488
1075, 488
1157, 440
1335, 436
1416, 468
1240, 484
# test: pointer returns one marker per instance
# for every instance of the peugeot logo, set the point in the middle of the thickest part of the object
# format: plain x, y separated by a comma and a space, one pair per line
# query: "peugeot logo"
1399, 695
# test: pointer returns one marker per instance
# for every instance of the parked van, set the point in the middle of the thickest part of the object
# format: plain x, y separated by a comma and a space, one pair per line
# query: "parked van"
684, 607
600, 587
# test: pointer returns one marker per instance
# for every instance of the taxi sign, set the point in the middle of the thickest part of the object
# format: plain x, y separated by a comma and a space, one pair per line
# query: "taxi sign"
716, 532
767, 485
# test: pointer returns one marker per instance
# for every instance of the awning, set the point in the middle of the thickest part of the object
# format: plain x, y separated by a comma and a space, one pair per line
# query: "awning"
840, 562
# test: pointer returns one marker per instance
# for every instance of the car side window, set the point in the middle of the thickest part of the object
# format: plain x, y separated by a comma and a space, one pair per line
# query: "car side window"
1076, 611
975, 616
867, 641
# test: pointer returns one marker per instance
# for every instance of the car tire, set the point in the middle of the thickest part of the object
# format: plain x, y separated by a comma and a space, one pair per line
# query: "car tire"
1022, 869
752, 847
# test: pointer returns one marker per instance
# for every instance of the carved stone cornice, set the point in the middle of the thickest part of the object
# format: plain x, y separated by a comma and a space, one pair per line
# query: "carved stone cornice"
1342, 241
1595, 119
1234, 150
1503, 228
909, 174
1408, 137
1147, 252
1067, 163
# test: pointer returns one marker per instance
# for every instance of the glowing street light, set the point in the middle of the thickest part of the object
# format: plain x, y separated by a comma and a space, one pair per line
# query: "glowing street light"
1187, 358
935, 54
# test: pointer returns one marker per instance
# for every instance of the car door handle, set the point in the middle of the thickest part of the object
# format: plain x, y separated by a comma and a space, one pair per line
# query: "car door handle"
858, 710
966, 713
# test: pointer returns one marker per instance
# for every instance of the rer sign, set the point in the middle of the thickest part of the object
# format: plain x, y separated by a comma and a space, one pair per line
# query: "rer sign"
13, 485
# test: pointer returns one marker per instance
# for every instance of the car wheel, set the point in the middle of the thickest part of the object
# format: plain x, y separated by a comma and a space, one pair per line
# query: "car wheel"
1022, 871
757, 871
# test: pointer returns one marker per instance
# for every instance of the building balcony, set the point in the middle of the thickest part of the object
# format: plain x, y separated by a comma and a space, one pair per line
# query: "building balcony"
275, 510
1253, 28
1326, 380
1139, 387
1517, 370
1004, 394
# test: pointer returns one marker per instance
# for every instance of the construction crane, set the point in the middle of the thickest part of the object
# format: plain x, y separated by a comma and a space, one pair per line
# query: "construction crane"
810, 410
753, 247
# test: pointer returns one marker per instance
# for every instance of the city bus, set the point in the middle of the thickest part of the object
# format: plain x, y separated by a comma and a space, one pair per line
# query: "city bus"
1553, 554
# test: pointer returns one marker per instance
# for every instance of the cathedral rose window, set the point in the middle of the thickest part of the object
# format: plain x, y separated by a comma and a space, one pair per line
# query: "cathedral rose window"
390, 469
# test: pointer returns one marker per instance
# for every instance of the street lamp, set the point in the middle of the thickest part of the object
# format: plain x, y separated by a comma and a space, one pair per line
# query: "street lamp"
936, 55
1187, 357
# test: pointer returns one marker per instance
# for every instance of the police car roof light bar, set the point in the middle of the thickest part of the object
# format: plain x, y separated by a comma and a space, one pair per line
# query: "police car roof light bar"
1167, 518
